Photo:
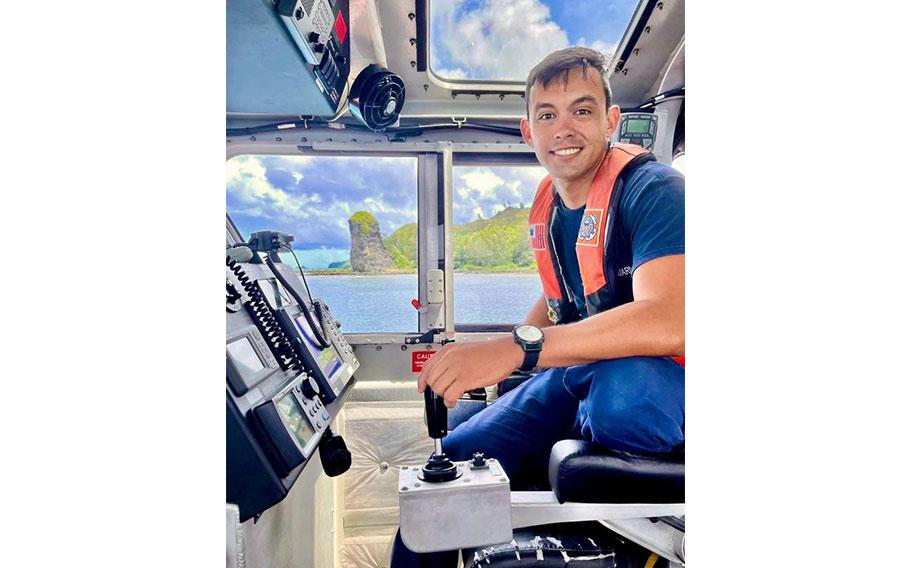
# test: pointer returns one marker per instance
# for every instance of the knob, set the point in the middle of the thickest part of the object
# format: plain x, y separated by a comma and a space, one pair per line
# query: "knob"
318, 47
310, 387
312, 37
341, 59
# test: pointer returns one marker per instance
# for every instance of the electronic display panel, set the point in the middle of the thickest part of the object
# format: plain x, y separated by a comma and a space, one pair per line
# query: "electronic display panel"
293, 417
638, 126
327, 359
244, 357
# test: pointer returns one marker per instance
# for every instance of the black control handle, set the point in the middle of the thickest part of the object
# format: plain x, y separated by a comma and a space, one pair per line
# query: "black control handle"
437, 414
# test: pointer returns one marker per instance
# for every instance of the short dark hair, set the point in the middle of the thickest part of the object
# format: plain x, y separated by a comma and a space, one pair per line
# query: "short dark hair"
559, 63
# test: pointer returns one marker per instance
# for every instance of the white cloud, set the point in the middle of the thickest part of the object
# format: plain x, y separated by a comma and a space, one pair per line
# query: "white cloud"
482, 192
500, 39
247, 182
608, 49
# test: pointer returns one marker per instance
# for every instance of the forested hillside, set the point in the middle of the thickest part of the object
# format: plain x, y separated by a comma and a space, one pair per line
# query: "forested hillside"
498, 243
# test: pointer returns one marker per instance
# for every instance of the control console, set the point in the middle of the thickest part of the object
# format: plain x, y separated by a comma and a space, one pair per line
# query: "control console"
288, 371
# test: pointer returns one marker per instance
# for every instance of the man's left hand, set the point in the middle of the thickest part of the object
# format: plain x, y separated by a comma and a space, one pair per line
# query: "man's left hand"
460, 367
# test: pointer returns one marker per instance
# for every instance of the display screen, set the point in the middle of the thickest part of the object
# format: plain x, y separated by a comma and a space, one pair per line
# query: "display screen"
244, 357
638, 126
293, 418
327, 359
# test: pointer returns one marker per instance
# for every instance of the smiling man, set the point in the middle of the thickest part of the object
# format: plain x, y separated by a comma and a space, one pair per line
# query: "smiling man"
607, 228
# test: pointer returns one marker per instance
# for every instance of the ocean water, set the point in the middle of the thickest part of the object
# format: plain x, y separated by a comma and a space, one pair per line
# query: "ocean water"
383, 303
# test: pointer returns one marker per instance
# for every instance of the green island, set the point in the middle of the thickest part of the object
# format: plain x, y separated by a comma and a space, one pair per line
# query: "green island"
497, 244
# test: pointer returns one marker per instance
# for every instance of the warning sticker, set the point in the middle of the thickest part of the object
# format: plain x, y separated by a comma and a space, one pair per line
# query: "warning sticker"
418, 358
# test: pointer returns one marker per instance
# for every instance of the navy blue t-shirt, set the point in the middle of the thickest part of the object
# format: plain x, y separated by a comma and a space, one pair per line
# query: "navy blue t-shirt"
652, 213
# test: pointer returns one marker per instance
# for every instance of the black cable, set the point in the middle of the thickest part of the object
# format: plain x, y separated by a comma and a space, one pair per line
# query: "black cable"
406, 131
672, 94
300, 270
321, 341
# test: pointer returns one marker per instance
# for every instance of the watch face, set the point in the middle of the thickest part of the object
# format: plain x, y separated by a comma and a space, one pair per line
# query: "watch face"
529, 333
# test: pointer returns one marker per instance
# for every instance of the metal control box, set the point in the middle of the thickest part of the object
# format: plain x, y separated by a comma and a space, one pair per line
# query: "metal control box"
472, 510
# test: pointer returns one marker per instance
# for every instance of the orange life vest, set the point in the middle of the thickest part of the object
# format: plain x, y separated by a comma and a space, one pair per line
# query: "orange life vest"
592, 246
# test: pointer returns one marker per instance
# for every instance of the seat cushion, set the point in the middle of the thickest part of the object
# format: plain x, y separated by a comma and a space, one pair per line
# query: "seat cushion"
584, 472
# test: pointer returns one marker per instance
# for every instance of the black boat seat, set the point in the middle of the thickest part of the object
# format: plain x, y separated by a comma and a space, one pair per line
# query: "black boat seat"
584, 472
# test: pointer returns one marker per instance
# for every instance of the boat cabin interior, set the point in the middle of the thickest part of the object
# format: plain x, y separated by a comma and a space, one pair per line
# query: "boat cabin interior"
378, 190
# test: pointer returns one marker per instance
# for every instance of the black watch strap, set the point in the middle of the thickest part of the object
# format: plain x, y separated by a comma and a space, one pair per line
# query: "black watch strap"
531, 357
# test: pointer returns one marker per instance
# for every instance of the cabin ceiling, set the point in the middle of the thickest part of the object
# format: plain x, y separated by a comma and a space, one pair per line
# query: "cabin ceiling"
661, 36
385, 32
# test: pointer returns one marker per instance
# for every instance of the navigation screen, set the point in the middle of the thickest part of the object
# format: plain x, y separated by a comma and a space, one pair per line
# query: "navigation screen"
293, 418
327, 359
638, 126
244, 357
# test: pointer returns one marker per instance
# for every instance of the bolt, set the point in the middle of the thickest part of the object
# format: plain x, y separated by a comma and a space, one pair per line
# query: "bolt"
303, 139
417, 484
502, 97
635, 51
660, 5
647, 29
413, 41
278, 139
379, 348
404, 488
412, 15
404, 347
252, 138
414, 64
426, 87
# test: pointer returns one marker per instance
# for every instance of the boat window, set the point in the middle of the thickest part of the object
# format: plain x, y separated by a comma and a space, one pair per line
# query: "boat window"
495, 271
499, 40
354, 222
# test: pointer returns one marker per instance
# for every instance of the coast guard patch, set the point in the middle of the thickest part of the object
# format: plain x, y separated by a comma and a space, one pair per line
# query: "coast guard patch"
538, 235
589, 231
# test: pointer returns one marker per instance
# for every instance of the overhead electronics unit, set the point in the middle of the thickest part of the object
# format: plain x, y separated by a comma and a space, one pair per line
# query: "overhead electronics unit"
293, 58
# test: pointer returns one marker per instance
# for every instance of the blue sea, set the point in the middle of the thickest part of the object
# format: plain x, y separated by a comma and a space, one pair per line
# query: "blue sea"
383, 303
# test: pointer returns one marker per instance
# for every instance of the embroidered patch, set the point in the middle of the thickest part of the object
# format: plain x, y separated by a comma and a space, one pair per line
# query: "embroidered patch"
538, 235
589, 231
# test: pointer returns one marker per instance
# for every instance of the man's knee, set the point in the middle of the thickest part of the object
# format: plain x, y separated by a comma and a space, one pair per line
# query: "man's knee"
635, 404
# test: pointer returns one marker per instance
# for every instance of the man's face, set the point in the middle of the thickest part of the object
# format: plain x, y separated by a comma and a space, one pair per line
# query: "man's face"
568, 125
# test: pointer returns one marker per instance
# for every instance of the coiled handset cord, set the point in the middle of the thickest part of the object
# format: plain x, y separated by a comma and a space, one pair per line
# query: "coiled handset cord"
266, 321
321, 341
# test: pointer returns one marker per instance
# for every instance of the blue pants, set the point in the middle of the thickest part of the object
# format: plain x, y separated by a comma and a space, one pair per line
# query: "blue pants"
635, 404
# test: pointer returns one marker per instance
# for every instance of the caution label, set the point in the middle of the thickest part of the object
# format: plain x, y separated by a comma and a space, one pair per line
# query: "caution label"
418, 358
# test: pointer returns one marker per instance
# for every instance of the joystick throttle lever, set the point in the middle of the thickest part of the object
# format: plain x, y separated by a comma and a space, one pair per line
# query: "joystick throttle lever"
438, 467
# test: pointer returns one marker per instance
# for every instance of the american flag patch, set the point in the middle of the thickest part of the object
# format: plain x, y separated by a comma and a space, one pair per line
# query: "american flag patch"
538, 234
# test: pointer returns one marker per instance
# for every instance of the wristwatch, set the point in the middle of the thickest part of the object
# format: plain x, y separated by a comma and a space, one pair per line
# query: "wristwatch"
530, 339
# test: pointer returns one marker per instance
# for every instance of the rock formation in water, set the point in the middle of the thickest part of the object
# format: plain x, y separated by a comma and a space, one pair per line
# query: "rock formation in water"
368, 254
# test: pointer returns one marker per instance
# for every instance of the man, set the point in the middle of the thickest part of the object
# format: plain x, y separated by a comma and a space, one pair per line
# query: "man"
607, 229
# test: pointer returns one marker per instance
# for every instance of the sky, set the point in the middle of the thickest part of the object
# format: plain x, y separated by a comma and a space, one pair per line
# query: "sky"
504, 39
312, 198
